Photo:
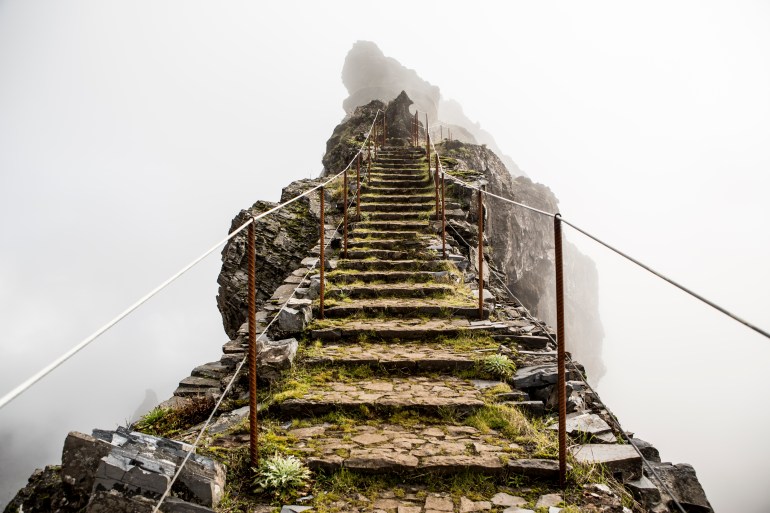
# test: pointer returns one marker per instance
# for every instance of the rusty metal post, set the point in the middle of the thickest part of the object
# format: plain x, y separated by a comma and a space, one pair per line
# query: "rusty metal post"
369, 169
323, 260
375, 140
443, 214
481, 255
358, 188
345, 214
252, 291
427, 148
560, 352
416, 128
435, 176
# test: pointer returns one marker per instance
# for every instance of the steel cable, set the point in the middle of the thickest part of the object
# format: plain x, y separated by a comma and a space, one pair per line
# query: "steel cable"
631, 259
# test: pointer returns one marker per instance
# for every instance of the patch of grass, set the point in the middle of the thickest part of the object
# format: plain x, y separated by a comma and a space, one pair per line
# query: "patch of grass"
167, 422
514, 425
499, 365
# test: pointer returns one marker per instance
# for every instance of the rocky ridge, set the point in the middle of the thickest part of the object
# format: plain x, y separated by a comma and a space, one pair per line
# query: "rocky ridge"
398, 400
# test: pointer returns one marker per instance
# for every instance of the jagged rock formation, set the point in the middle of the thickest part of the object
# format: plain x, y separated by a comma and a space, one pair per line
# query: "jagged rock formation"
369, 75
282, 242
524, 249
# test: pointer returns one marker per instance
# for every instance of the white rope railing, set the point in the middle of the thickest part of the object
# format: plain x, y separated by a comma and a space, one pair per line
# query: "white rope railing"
45, 371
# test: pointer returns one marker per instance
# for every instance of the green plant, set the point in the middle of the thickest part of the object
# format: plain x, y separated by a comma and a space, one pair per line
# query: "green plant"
280, 475
499, 365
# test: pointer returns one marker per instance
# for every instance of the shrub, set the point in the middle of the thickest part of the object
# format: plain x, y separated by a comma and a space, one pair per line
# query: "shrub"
281, 475
499, 365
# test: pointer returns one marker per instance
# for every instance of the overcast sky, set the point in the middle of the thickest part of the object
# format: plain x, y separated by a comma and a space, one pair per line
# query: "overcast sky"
132, 132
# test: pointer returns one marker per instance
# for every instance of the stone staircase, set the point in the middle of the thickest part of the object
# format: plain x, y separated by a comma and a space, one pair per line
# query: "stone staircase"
390, 380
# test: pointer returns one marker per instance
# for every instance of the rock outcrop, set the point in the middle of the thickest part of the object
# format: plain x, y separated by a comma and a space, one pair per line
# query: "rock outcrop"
369, 75
282, 242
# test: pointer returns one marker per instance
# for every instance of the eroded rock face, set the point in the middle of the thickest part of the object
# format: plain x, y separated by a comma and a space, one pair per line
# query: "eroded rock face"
523, 248
283, 240
369, 75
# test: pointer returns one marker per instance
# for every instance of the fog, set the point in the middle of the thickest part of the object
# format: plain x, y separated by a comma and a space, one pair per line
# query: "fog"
132, 132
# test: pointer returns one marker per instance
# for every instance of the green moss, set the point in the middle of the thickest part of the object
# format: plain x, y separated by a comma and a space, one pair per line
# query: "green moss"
167, 422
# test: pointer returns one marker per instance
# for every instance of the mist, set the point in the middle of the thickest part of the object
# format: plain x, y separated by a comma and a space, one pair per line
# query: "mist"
132, 133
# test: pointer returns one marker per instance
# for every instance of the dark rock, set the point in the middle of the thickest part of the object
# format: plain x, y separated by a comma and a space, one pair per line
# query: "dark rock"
534, 408
536, 376
80, 458
294, 320
283, 240
684, 484
649, 452
274, 357
644, 491
621, 460
531, 342
43, 493
537, 468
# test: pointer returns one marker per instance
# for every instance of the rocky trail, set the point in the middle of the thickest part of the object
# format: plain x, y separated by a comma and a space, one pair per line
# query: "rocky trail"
402, 391
399, 398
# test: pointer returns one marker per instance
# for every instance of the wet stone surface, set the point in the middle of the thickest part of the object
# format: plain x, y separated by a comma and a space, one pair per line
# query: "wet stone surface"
416, 356
391, 393
392, 448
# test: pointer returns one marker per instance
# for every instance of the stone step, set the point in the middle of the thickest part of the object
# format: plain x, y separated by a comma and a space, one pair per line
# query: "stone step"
398, 216
401, 235
404, 329
399, 164
417, 393
392, 190
400, 157
212, 370
420, 185
387, 178
403, 307
440, 448
423, 226
397, 198
386, 243
391, 265
390, 290
400, 208
386, 276
402, 357
620, 460
197, 382
384, 254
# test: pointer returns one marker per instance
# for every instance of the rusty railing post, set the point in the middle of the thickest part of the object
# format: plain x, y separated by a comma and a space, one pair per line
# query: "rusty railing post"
435, 176
481, 255
358, 188
427, 149
375, 140
345, 214
252, 291
443, 214
560, 351
369, 167
322, 259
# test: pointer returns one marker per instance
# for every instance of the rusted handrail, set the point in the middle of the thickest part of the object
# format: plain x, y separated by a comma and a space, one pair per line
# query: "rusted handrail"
560, 351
